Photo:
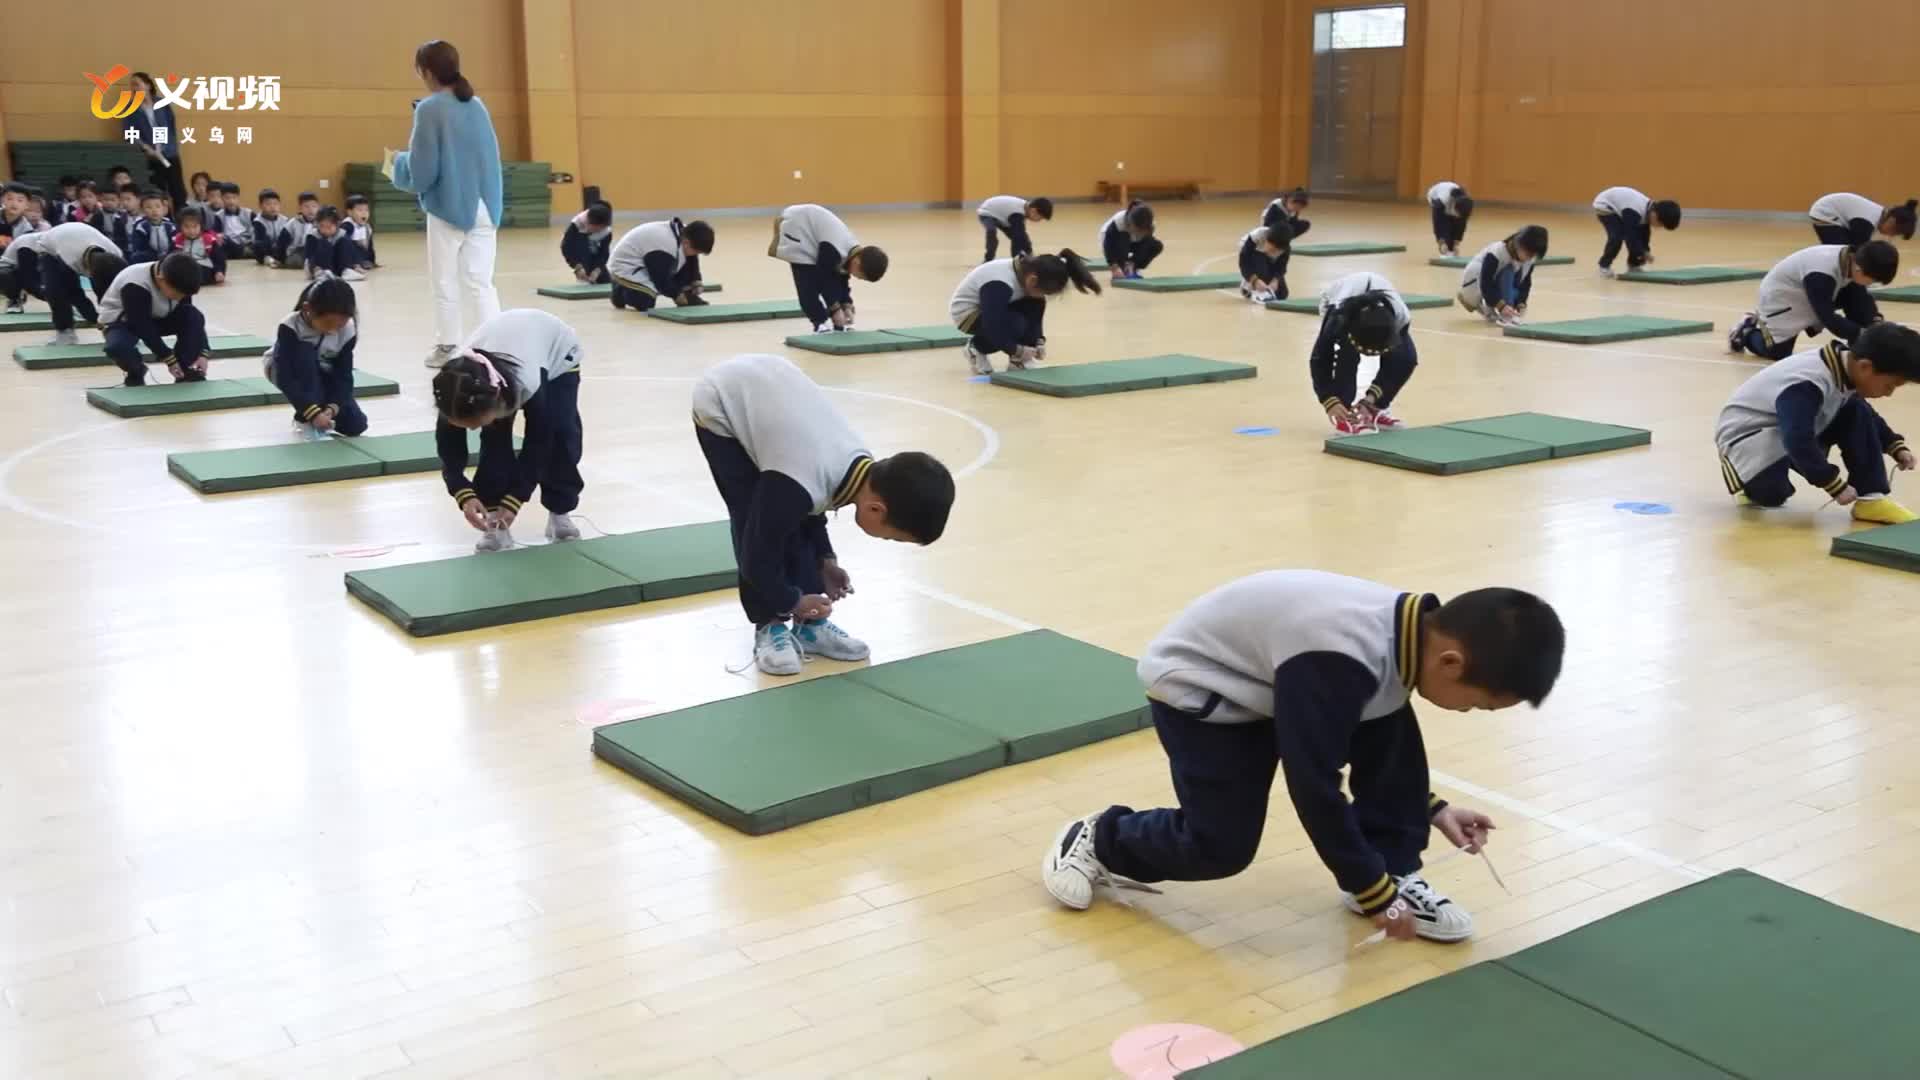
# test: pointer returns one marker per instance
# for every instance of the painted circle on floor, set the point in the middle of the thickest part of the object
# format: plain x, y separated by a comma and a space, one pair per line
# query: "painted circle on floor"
1164, 1051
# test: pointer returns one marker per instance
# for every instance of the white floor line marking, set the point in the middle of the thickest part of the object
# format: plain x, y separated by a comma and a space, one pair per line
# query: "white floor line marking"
982, 610
1554, 821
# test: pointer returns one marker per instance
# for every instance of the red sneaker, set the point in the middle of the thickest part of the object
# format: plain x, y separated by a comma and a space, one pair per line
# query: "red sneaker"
1356, 426
1379, 419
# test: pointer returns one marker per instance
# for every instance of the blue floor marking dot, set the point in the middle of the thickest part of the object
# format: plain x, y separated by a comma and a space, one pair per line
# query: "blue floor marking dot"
1643, 507
1256, 431
979, 378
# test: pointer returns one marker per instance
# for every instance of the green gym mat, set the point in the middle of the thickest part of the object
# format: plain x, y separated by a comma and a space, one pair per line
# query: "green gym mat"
1905, 294
1097, 264
1310, 305
39, 357
252, 468
854, 342
1459, 262
1039, 692
32, 320
1491, 443
1692, 275
724, 313
777, 758
1179, 282
1606, 328
165, 399
1358, 248
1894, 546
581, 291
447, 596
1115, 376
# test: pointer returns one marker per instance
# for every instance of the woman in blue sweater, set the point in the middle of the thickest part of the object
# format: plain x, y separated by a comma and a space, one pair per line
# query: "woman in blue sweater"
452, 162
163, 158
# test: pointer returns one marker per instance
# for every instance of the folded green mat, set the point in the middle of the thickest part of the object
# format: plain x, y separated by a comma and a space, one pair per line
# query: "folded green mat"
1905, 294
33, 320
39, 357
1356, 248
164, 399
583, 291
1310, 305
724, 313
1474, 445
1692, 275
1116, 376
852, 342
252, 468
1459, 262
1896, 547
1606, 328
1179, 282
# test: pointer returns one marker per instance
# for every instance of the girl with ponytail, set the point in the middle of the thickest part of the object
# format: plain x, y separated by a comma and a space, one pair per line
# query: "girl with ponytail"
312, 360
1003, 304
1851, 220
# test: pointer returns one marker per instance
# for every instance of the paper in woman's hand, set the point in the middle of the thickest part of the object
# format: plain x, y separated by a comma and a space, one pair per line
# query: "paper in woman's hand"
386, 163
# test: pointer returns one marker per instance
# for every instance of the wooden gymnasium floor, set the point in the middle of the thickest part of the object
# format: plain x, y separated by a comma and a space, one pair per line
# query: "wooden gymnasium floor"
252, 831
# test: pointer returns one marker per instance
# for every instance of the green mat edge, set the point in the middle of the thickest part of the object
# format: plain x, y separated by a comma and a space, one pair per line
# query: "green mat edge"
1179, 283
1323, 249
1727, 274
217, 487
815, 343
1632, 437
1851, 546
95, 397
481, 619
1450, 468
1010, 379
674, 314
1532, 333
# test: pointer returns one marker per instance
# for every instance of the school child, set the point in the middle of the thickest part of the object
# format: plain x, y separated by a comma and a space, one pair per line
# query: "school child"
312, 360
272, 233
13, 210
146, 301
824, 256
302, 227
1452, 209
585, 244
205, 198
359, 229
1305, 673
328, 249
1849, 219
49, 265
112, 220
660, 258
1787, 417
783, 458
1362, 314
1003, 304
522, 360
202, 246
130, 215
1127, 241
1497, 282
86, 204
1821, 286
236, 223
1264, 253
152, 235
1286, 209
1628, 216
1009, 214
61, 205
36, 214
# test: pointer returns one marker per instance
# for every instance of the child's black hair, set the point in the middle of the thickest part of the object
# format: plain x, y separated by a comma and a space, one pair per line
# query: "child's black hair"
1462, 205
67, 180
1300, 195
462, 390
1533, 238
1044, 206
153, 193
127, 189
600, 214
328, 213
1055, 272
1140, 215
1666, 212
201, 175
118, 170
180, 271
327, 295
88, 185
1903, 217
189, 213
102, 266
307, 196
1877, 259
1891, 348
13, 187
701, 234
918, 491
231, 187
1370, 321
1280, 235
267, 193
873, 262
1513, 640
356, 199
442, 61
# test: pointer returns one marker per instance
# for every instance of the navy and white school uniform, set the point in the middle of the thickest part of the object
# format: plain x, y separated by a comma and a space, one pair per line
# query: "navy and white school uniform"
1256, 265
208, 211
1119, 247
1845, 218
149, 240
782, 456
585, 248
1494, 277
333, 254
1005, 214
1625, 214
360, 239
992, 304
817, 246
134, 312
1787, 417
315, 370
1811, 289
205, 249
50, 265
648, 263
1277, 214
1335, 361
1296, 672
236, 231
1449, 228
540, 356
299, 227
113, 225
273, 237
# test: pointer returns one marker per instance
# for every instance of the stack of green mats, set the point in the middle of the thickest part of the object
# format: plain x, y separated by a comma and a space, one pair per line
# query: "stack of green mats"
41, 163
1117, 376
1605, 329
252, 468
1692, 275
33, 320
1893, 546
447, 596
166, 399
528, 201
1310, 305
1472, 445
1905, 294
852, 342
781, 757
1734, 978
94, 354
390, 209
1459, 262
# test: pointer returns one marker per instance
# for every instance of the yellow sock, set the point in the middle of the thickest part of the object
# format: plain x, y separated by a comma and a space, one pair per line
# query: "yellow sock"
1883, 511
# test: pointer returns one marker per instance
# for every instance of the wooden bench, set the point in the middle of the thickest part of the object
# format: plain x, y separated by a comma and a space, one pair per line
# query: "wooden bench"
1121, 191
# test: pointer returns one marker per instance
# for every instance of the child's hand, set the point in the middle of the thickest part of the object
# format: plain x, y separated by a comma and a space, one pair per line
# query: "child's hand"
323, 420
503, 518
813, 608
174, 369
1463, 828
1341, 412
1398, 921
200, 366
838, 582
838, 316
1847, 496
1904, 459
1508, 311
476, 514
579, 273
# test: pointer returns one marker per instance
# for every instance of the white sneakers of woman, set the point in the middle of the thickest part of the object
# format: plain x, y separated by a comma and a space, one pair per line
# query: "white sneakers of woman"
494, 540
560, 528
440, 355
980, 362
774, 650
1436, 917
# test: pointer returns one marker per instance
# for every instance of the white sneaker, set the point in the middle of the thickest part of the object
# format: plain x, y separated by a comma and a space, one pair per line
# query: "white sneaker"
272, 263
1606, 271
823, 328
309, 433
560, 528
980, 362
352, 274
1263, 297
774, 650
16, 307
823, 638
1245, 293
1026, 356
1737, 337
64, 337
440, 355
1436, 917
494, 540
1070, 870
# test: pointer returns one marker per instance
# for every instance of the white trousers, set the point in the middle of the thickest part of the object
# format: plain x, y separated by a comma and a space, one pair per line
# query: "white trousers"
460, 263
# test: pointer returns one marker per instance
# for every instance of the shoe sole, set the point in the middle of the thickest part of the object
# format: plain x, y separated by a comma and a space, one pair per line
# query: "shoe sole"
1047, 870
